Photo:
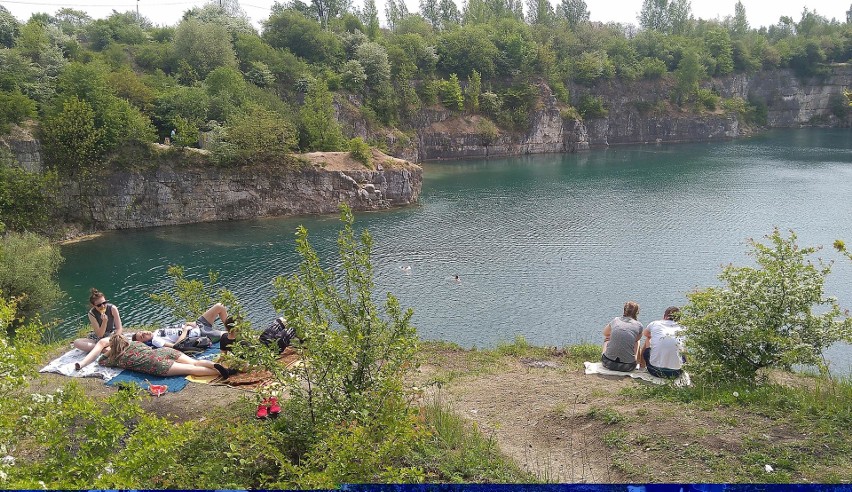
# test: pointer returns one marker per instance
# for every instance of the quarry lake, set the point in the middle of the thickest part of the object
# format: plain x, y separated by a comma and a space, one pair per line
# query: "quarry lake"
546, 247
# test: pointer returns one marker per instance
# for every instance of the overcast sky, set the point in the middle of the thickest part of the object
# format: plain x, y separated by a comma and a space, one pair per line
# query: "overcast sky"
168, 12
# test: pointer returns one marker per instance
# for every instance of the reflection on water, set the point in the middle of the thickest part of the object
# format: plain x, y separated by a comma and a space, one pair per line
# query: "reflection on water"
548, 247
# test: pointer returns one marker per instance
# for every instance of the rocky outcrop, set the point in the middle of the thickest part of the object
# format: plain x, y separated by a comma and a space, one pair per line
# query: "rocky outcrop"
792, 102
21, 143
176, 195
443, 135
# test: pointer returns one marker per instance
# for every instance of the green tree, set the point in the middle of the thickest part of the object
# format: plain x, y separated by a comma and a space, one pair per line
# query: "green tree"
430, 10
26, 199
370, 18
540, 12
718, 43
739, 26
319, 128
467, 49
15, 108
451, 93
9, 27
773, 315
204, 47
689, 72
71, 140
473, 90
28, 266
395, 12
374, 59
450, 15
303, 37
358, 358
573, 11
258, 133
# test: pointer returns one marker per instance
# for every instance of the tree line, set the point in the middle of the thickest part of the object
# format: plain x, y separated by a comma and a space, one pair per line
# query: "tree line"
98, 85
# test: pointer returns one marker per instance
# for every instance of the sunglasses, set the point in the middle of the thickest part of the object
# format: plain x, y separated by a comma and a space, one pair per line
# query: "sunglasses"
101, 304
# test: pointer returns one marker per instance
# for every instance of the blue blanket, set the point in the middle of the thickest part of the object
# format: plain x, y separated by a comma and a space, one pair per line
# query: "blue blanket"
175, 383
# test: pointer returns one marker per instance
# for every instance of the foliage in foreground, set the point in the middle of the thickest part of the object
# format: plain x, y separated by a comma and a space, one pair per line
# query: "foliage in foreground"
772, 315
28, 266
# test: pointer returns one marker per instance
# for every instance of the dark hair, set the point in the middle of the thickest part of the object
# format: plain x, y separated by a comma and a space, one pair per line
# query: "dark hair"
671, 312
230, 323
94, 294
134, 337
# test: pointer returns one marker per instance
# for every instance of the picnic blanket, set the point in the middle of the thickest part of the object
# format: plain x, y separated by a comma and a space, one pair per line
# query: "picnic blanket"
64, 364
252, 380
174, 383
598, 368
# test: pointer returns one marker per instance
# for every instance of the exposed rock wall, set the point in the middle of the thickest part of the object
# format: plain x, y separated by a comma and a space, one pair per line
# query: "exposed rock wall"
24, 147
445, 136
170, 195
792, 102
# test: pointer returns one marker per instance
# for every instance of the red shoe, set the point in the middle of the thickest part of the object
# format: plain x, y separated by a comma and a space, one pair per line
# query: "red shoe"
274, 407
262, 410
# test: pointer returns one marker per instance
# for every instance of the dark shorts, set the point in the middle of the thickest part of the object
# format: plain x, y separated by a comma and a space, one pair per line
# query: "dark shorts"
617, 365
207, 329
660, 372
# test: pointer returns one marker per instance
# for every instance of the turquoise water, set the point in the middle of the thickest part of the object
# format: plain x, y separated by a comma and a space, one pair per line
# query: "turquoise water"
548, 247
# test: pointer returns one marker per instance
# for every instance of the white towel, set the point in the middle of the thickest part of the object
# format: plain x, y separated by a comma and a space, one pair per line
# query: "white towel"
65, 365
598, 368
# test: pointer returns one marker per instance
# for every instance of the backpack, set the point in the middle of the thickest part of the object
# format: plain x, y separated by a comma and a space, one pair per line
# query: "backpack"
278, 333
193, 345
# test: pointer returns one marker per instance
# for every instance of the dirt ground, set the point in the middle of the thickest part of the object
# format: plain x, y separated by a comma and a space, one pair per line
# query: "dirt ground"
562, 425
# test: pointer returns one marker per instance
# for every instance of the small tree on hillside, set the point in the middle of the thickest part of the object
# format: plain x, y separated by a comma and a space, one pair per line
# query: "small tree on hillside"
356, 357
319, 127
771, 315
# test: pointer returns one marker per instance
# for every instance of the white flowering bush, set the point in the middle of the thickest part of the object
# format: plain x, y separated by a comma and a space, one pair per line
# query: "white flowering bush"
772, 315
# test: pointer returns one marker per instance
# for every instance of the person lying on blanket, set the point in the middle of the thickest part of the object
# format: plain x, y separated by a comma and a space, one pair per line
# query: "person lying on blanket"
164, 361
203, 326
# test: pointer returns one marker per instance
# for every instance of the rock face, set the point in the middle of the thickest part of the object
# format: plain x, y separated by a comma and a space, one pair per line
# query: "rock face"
170, 195
791, 102
443, 136
24, 147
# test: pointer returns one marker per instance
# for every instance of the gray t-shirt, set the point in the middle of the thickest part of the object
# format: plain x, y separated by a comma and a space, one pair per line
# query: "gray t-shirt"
622, 340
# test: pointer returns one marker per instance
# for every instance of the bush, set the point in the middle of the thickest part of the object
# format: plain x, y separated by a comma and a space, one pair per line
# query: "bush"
357, 362
592, 107
28, 266
708, 99
764, 316
360, 151
26, 199
15, 108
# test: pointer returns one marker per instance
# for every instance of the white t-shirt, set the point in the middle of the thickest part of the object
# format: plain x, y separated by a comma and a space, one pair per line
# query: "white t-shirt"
171, 335
666, 344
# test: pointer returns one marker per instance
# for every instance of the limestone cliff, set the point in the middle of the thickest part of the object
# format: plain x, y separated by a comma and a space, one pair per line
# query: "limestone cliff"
176, 194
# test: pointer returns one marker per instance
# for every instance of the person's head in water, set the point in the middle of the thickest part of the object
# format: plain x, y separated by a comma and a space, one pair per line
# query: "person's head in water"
672, 313
631, 309
457, 277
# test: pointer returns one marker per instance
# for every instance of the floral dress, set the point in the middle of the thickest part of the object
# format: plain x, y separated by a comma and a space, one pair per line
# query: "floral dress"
143, 358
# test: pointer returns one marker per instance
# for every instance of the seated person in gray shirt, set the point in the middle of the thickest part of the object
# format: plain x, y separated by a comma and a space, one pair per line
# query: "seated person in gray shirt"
621, 340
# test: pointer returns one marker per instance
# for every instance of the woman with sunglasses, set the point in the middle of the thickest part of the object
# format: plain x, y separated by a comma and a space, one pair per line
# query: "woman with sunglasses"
104, 319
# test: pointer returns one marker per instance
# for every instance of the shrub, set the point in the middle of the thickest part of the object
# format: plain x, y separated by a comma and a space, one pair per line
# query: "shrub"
360, 151
15, 108
708, 99
592, 107
764, 316
28, 266
349, 399
26, 199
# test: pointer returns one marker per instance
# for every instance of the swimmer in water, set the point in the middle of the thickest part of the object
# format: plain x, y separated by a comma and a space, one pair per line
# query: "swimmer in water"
405, 268
457, 279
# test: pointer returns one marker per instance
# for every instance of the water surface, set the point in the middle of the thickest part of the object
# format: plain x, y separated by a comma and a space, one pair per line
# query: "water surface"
548, 247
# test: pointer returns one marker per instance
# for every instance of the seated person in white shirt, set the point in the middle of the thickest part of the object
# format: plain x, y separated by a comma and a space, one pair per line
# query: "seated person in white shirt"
662, 352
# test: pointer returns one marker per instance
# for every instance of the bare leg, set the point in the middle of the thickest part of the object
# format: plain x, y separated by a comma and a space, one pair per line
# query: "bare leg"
85, 344
185, 359
93, 354
181, 369
216, 311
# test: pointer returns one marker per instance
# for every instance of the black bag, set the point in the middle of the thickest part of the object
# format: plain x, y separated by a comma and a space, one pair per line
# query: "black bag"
193, 345
278, 333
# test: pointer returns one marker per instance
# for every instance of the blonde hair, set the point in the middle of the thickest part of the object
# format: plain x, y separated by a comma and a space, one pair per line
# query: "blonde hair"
117, 345
631, 309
